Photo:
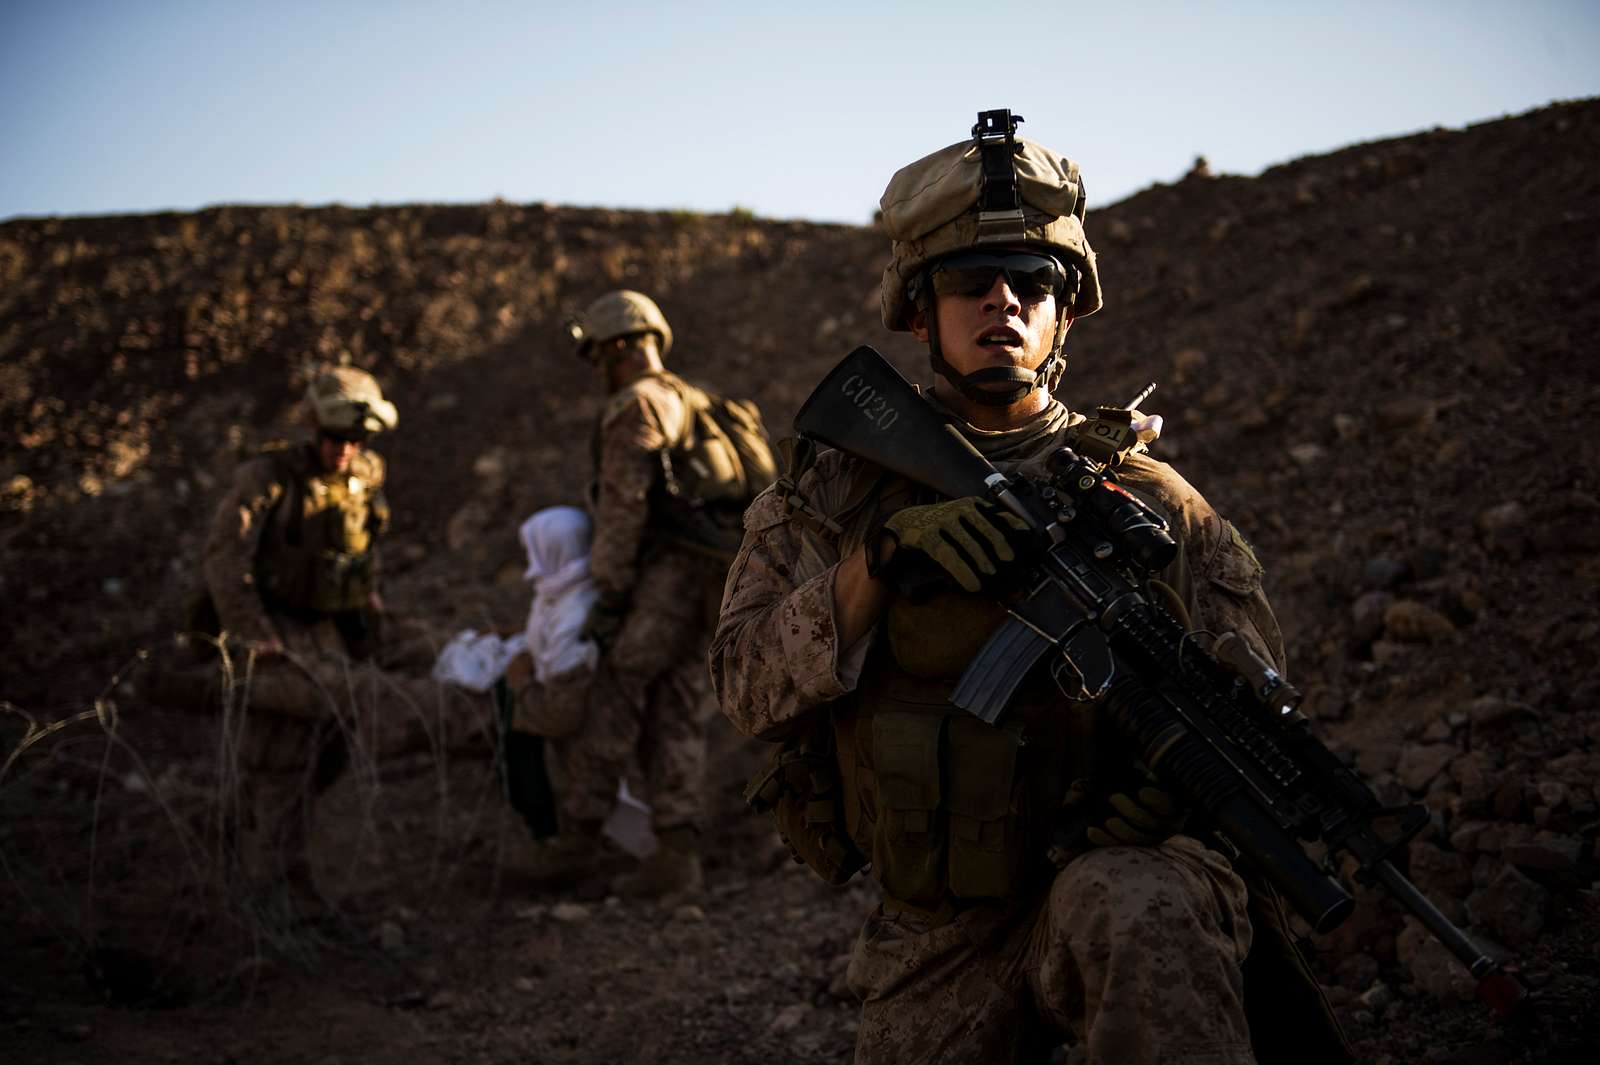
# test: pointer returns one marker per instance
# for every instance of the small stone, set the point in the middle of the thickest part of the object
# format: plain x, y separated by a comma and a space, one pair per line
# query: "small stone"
1188, 364
523, 983
1366, 616
1432, 967
1508, 799
1439, 872
443, 1000
569, 912
1493, 838
1306, 454
1419, 764
789, 1018
1554, 854
1438, 731
391, 937
1346, 427
689, 913
1500, 518
1376, 997
1504, 529
1358, 971
1409, 621
1511, 907
1487, 710
491, 465
1552, 793
1385, 652
113, 586
535, 912
1408, 412
1464, 839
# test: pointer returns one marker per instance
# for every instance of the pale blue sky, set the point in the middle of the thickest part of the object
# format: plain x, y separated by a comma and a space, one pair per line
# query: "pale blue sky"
798, 110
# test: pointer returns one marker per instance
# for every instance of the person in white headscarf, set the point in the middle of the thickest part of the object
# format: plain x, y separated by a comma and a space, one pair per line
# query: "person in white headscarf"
551, 686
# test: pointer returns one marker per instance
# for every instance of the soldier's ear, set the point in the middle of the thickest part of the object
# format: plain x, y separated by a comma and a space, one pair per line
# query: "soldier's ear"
917, 322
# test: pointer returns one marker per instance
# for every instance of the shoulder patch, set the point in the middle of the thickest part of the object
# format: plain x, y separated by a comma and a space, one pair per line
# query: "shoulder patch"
1235, 566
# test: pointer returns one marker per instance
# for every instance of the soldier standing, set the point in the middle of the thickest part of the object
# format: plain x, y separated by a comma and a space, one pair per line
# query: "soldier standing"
985, 947
290, 568
666, 504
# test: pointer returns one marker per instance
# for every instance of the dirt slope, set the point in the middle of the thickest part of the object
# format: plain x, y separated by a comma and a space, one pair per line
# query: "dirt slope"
1379, 362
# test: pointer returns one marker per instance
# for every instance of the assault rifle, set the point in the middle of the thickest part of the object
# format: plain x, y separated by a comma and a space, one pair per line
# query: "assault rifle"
1214, 722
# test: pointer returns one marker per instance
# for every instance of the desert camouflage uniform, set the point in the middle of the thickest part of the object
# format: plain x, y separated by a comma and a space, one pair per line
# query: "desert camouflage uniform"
1126, 946
293, 721
649, 699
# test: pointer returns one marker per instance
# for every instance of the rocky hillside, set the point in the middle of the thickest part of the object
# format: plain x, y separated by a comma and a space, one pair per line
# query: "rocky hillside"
1378, 362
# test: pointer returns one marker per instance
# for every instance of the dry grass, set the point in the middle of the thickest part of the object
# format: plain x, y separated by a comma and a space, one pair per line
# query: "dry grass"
145, 863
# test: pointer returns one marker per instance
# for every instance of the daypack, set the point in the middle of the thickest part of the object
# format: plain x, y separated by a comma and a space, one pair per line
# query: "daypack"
725, 457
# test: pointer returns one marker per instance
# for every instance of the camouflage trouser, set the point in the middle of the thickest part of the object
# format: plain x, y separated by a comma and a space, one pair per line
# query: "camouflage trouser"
1135, 953
650, 699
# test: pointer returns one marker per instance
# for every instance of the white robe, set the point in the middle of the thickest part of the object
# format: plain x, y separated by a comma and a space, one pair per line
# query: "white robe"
557, 542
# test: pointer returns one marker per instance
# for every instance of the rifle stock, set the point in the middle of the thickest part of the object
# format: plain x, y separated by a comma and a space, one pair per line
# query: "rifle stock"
864, 407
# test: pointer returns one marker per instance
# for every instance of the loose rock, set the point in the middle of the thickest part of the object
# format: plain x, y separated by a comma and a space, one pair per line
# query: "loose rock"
1409, 621
391, 937
1511, 907
1419, 764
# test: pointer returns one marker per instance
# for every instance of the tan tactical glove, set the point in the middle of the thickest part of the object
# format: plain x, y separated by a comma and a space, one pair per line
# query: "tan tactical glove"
1142, 814
977, 544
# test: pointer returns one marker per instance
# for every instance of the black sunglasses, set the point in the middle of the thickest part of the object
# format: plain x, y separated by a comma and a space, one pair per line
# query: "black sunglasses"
1032, 276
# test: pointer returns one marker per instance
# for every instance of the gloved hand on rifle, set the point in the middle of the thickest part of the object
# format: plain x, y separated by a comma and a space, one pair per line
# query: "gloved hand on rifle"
1138, 812
605, 619
980, 546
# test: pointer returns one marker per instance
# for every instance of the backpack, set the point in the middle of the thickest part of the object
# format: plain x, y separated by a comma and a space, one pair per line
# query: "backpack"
725, 457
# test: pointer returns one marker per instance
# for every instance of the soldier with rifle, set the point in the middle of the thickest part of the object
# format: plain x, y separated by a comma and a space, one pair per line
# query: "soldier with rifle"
675, 466
973, 622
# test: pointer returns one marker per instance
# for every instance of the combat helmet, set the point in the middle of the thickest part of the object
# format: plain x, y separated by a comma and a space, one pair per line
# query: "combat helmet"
994, 190
617, 314
347, 403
